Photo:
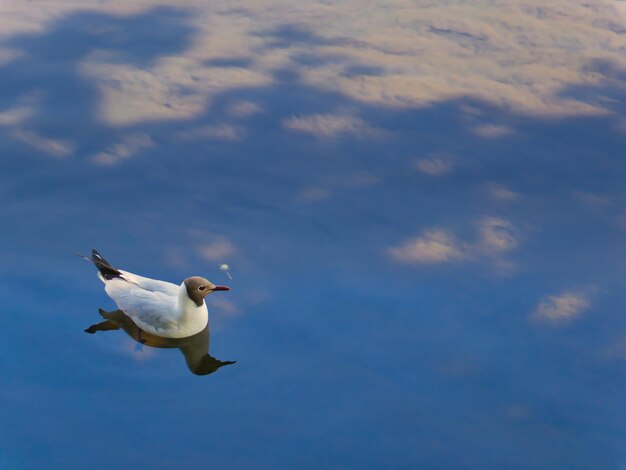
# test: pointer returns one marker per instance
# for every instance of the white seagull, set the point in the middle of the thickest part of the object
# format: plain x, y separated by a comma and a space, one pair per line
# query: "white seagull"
158, 307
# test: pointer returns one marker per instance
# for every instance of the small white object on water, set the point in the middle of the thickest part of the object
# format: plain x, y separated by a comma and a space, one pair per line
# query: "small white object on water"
224, 267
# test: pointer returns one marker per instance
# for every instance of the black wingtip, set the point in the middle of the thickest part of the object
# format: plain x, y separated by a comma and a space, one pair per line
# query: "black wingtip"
108, 272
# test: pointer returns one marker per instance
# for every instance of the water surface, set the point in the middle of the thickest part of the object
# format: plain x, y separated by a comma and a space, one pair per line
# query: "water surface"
428, 284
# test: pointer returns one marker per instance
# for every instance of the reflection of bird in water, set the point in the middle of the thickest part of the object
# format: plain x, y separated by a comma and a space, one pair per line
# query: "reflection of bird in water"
195, 348
158, 307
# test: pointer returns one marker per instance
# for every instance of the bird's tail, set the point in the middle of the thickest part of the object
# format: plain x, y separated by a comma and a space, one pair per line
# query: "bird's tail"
106, 270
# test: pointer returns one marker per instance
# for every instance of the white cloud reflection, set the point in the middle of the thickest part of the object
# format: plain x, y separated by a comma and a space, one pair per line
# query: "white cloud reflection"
409, 53
223, 132
561, 308
217, 250
434, 246
242, 109
129, 146
492, 131
52, 146
499, 192
434, 166
495, 237
16, 115
330, 125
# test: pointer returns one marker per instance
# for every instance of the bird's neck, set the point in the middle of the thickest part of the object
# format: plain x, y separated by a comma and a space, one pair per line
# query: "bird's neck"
189, 313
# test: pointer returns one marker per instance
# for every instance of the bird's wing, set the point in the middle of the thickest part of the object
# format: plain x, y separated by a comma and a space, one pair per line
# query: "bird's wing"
152, 285
150, 309
107, 273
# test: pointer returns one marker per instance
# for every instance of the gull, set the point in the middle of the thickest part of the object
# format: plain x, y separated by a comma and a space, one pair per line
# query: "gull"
158, 307
195, 348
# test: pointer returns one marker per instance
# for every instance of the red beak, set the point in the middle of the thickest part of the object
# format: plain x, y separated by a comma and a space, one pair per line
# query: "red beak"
220, 288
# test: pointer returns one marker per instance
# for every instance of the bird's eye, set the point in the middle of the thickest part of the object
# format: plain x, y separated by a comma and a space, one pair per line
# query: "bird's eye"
201, 287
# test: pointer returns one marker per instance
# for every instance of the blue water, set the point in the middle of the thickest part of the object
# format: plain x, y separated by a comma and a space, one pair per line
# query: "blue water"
346, 356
